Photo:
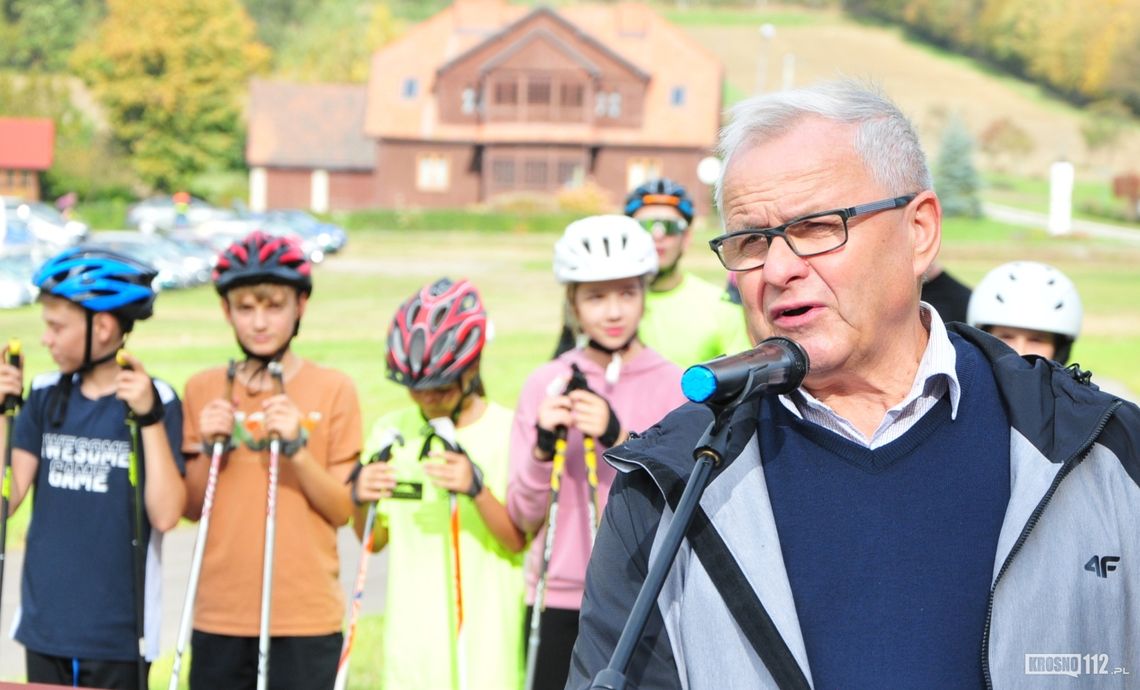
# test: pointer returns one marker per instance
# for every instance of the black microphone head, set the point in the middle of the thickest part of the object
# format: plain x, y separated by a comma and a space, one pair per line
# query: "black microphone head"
776, 365
798, 364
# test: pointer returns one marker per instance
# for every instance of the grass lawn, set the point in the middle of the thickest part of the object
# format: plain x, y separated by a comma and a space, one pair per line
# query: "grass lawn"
355, 294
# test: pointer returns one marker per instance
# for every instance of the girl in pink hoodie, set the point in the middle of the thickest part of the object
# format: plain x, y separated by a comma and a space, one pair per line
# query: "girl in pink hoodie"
605, 263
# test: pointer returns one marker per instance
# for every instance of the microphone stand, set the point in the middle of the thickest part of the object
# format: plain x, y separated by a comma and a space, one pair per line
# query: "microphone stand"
709, 454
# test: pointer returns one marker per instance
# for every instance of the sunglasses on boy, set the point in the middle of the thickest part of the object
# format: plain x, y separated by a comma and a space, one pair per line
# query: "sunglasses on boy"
666, 226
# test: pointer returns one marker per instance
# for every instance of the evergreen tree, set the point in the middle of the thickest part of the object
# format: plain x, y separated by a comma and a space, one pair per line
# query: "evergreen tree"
955, 177
172, 76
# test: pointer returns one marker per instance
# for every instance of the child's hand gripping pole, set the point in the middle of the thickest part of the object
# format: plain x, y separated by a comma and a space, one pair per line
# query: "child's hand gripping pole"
389, 438
217, 451
275, 371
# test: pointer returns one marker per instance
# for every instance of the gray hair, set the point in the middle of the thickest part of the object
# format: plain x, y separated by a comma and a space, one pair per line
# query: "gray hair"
885, 139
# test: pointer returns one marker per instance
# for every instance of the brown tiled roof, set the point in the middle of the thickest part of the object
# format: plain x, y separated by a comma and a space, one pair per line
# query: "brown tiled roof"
639, 36
308, 126
26, 143
549, 12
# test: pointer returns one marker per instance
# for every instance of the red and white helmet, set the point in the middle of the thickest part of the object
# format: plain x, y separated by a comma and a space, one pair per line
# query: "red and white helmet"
436, 334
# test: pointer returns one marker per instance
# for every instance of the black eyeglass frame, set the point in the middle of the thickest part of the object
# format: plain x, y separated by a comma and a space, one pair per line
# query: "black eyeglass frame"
845, 214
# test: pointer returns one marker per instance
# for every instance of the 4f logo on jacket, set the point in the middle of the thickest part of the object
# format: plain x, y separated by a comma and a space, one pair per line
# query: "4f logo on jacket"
1102, 565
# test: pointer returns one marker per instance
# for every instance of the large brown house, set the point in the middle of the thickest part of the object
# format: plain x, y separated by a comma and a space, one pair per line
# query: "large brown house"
485, 99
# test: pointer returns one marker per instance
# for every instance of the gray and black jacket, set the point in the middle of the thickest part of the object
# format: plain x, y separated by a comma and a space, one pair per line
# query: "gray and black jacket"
1065, 596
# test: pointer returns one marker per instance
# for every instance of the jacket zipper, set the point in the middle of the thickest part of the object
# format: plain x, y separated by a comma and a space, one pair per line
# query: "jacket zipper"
1074, 460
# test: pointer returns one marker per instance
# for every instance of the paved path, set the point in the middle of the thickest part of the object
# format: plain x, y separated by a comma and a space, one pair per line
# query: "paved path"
1017, 216
177, 550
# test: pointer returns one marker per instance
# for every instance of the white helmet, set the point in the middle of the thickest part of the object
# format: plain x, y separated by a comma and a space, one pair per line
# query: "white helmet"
1027, 294
604, 248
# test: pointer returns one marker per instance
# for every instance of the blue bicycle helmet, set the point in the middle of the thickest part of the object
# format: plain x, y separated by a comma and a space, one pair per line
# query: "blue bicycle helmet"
100, 280
662, 191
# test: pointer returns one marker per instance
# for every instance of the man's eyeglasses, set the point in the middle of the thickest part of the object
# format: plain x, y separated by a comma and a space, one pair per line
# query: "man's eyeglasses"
815, 233
667, 226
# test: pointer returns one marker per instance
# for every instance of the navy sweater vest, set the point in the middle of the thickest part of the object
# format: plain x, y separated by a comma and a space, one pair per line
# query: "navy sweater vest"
890, 552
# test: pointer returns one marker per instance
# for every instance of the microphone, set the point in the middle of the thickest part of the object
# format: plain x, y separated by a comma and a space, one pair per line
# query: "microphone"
776, 365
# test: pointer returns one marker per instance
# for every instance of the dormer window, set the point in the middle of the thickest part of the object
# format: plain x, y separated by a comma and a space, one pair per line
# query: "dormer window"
410, 88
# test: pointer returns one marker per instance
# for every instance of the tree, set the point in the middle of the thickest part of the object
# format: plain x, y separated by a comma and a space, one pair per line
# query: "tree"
955, 177
337, 41
172, 76
39, 35
1105, 123
85, 162
1003, 141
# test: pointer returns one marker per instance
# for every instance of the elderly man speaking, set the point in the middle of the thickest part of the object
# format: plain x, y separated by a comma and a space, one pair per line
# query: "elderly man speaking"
928, 510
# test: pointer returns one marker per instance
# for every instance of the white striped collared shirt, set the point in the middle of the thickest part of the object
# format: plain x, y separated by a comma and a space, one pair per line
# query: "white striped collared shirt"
935, 378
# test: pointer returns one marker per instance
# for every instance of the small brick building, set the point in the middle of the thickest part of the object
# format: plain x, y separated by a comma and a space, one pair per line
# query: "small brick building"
27, 146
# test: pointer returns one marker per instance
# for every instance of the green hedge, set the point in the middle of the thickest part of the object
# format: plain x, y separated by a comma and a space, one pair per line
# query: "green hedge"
455, 219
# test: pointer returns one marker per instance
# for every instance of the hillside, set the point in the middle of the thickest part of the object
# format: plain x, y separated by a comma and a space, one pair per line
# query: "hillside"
929, 85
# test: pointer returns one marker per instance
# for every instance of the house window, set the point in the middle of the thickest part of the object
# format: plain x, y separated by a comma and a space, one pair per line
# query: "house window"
677, 96
569, 173
503, 173
534, 173
608, 104
600, 104
639, 170
538, 93
469, 101
432, 172
613, 108
506, 93
573, 95
410, 88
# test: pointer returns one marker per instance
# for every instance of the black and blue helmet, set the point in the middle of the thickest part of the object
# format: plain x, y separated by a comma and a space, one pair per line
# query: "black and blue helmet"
660, 191
100, 280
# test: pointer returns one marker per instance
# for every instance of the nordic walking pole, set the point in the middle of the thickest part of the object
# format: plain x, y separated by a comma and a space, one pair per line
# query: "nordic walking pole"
590, 448
138, 549
217, 451
535, 635
11, 405
590, 453
390, 437
444, 428
270, 537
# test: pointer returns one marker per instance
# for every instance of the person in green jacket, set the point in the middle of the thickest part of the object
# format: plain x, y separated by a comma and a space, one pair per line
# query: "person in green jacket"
431, 640
687, 319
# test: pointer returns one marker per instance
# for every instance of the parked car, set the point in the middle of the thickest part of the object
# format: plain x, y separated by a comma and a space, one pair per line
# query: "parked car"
16, 271
331, 238
222, 232
158, 213
176, 268
45, 222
